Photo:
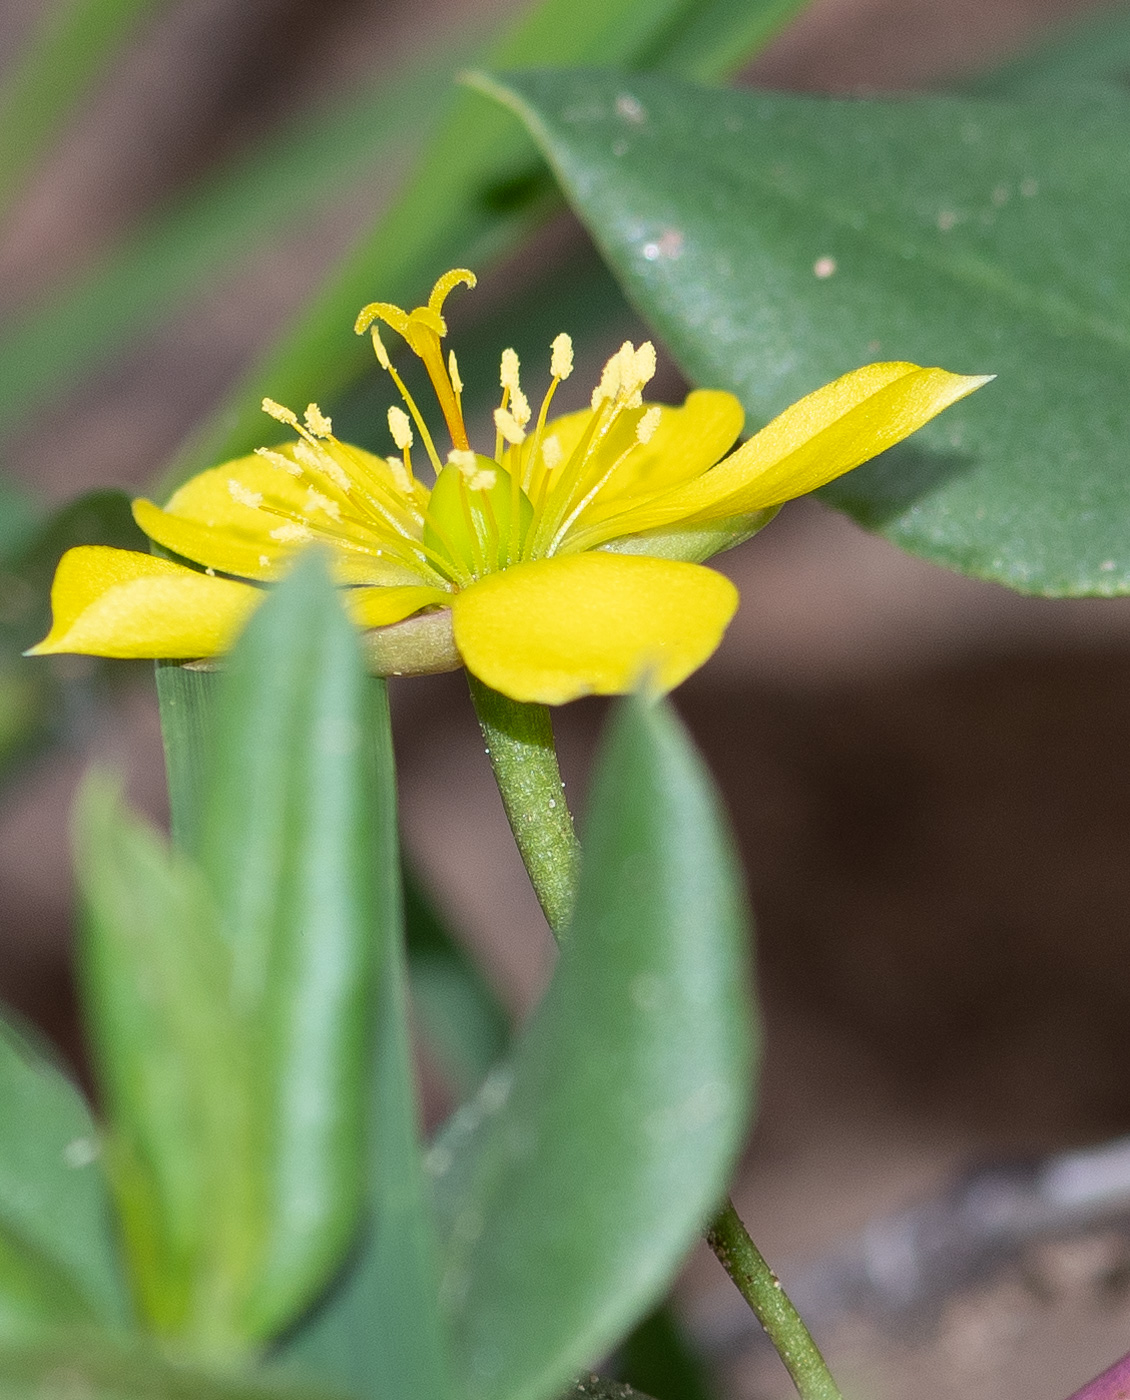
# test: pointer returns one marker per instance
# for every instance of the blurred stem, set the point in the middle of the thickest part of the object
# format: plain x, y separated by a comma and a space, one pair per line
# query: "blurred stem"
519, 739
761, 1288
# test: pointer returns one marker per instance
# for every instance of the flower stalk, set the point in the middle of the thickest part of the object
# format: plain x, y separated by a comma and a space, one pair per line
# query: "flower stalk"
519, 739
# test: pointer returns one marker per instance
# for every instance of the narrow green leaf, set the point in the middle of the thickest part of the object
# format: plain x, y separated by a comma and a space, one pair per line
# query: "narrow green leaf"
74, 44
573, 1184
187, 699
285, 841
155, 976
776, 242
476, 189
379, 1333
53, 1198
98, 1367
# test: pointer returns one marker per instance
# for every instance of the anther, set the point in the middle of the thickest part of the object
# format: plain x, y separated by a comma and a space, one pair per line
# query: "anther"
561, 357
280, 414
551, 452
244, 496
379, 348
317, 424
316, 501
464, 459
277, 459
645, 428
292, 533
453, 373
400, 426
509, 427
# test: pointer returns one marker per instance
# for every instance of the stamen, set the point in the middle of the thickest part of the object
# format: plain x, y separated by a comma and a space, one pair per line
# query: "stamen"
509, 427
645, 428
316, 501
552, 452
292, 533
400, 426
453, 373
244, 496
379, 347
278, 459
315, 458
317, 423
400, 475
466, 460
561, 357
281, 414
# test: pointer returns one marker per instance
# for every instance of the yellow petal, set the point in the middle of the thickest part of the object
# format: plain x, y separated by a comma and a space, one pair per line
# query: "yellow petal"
113, 602
579, 624
819, 438
380, 607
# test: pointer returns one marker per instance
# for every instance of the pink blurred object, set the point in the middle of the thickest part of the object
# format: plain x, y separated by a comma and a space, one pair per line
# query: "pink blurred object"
1113, 1384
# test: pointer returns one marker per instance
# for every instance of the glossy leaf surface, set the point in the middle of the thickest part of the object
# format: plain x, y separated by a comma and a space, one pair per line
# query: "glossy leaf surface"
55, 1214
573, 1183
776, 242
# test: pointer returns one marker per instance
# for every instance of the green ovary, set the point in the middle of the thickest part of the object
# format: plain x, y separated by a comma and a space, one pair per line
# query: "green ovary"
472, 524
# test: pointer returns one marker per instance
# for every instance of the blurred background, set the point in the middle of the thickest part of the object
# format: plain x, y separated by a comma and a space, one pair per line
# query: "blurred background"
926, 773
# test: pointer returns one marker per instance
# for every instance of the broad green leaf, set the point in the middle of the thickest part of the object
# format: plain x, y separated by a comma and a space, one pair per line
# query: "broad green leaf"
99, 1367
286, 842
658, 1358
208, 232
171, 1063
55, 1214
74, 43
776, 242
600, 1388
476, 188
572, 1185
1092, 49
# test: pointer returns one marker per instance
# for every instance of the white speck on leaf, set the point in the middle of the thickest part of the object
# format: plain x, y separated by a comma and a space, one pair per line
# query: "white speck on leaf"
631, 109
824, 267
80, 1152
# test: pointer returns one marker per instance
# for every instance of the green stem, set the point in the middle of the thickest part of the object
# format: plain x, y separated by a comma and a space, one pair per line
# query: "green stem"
761, 1288
519, 740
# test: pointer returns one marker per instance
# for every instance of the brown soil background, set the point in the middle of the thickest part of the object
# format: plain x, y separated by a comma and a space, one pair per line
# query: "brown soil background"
926, 774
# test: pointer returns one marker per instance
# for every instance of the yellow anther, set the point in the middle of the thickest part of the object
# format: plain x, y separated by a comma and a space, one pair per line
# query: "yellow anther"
645, 428
482, 480
316, 501
400, 475
508, 373
464, 459
561, 357
292, 533
507, 425
280, 414
400, 426
551, 452
277, 459
379, 348
644, 364
317, 424
453, 372
609, 385
318, 460
244, 496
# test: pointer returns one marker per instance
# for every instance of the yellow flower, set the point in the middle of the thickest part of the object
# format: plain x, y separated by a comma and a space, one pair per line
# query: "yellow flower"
567, 563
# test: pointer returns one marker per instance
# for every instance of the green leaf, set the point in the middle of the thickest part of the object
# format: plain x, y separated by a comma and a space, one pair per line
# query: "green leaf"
379, 1333
600, 1388
476, 189
55, 1220
573, 1184
980, 236
171, 1062
286, 841
49, 79
101, 1368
